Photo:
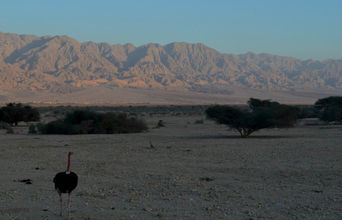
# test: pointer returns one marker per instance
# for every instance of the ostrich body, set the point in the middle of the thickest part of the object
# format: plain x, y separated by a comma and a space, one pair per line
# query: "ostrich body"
65, 182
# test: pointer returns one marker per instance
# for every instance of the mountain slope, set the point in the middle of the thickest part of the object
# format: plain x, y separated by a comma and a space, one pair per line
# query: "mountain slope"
59, 64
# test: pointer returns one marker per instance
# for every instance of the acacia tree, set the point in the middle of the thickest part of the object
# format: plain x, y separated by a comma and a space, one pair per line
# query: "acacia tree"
13, 113
330, 108
260, 114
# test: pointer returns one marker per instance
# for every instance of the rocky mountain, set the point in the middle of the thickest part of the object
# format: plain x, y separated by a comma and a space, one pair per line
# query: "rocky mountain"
60, 64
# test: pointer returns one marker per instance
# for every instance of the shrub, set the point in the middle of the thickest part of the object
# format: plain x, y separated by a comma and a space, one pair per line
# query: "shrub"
10, 130
330, 108
199, 121
32, 129
160, 124
7, 127
56, 127
88, 122
3, 125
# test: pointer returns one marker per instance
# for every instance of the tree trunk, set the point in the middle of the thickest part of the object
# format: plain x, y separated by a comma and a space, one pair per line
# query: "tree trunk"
245, 132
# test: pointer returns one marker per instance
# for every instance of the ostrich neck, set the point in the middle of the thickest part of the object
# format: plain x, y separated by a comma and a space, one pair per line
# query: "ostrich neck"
68, 167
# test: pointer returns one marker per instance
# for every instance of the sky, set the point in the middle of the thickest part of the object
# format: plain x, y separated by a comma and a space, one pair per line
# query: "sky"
305, 29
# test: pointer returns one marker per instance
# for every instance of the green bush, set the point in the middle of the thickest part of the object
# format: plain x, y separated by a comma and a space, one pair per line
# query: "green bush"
88, 122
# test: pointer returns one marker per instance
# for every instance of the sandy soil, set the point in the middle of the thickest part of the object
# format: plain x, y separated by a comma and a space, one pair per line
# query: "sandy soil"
194, 171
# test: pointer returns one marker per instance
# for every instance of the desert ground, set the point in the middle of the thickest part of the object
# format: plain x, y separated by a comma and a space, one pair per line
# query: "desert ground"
196, 169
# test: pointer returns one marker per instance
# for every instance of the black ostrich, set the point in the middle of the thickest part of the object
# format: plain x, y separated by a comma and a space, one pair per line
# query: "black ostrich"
65, 182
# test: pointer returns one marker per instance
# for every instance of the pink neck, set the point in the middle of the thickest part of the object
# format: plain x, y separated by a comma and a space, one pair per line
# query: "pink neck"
68, 167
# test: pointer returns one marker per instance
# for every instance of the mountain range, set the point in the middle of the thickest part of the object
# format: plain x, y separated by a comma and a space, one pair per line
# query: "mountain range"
62, 69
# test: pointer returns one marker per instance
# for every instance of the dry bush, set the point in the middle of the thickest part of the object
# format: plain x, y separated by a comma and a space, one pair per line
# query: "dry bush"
89, 122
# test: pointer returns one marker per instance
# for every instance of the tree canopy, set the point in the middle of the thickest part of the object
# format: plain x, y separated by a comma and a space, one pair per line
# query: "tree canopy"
330, 108
13, 113
260, 114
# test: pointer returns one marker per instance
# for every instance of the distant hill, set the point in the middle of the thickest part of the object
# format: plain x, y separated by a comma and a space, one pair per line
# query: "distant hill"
58, 65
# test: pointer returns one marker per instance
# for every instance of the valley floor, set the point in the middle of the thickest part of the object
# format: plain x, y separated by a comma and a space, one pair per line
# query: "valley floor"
195, 171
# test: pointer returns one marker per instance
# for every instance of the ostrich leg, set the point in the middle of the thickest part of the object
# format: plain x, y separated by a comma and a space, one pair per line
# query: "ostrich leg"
69, 203
60, 203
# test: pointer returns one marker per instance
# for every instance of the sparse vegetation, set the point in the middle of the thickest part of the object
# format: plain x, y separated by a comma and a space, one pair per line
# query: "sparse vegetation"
138, 110
160, 124
261, 114
89, 122
32, 129
7, 127
199, 121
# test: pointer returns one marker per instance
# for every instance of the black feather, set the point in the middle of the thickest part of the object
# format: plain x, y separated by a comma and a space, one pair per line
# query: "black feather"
65, 182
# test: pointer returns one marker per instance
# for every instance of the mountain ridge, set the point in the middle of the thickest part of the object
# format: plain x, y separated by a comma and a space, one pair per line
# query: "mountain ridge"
60, 64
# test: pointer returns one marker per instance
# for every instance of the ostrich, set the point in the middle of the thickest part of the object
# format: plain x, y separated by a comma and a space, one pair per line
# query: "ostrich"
65, 182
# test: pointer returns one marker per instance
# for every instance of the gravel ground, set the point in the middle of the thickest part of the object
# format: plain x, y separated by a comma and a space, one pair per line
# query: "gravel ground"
193, 171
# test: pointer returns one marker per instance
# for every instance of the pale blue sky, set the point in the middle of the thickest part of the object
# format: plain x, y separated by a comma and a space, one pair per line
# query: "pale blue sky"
300, 28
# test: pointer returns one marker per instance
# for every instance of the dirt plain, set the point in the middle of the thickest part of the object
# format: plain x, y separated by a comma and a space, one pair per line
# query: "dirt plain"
196, 169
